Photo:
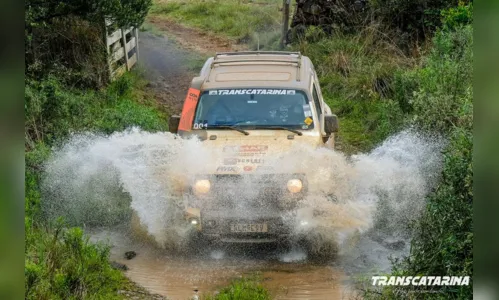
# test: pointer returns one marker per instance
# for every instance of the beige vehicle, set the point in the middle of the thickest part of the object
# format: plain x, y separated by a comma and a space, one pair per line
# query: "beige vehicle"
249, 106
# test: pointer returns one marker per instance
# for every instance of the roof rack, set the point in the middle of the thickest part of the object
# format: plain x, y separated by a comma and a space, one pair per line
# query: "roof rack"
257, 53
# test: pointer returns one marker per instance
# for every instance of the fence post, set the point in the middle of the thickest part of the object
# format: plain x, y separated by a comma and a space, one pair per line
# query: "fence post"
108, 57
285, 21
123, 39
136, 31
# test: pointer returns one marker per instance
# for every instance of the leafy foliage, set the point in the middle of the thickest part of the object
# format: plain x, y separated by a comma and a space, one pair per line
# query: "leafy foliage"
52, 111
441, 93
455, 17
67, 37
123, 12
62, 264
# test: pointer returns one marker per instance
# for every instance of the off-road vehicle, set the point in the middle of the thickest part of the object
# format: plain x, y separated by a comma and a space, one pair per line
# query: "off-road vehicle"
250, 105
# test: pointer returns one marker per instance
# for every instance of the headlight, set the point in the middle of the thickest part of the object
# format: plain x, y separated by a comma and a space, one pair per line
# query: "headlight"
295, 185
202, 186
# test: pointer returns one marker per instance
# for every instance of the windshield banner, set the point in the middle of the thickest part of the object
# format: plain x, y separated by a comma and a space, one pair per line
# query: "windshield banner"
251, 92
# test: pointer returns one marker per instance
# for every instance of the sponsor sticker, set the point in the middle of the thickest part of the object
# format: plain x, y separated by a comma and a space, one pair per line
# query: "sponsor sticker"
246, 148
306, 110
264, 169
308, 121
250, 160
230, 161
227, 169
251, 92
253, 148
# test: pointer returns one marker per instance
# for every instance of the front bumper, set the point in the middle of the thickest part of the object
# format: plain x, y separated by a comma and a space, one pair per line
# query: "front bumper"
218, 226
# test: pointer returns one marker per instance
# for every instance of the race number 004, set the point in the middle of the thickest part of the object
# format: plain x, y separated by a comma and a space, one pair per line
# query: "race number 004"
200, 125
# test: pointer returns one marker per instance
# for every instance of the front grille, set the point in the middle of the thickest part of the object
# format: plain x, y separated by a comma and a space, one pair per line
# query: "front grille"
251, 192
247, 191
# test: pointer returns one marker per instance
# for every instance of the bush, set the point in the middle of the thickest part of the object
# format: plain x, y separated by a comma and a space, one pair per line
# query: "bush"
67, 37
458, 16
64, 265
355, 72
53, 111
440, 94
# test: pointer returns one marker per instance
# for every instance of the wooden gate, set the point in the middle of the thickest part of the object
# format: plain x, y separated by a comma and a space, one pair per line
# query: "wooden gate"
122, 49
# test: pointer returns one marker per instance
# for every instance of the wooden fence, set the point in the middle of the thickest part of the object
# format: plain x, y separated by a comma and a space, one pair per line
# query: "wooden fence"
122, 50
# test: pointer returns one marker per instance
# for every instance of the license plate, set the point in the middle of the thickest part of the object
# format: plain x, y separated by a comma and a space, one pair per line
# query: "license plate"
238, 227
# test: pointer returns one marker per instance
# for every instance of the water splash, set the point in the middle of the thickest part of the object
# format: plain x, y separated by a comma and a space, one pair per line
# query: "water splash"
95, 179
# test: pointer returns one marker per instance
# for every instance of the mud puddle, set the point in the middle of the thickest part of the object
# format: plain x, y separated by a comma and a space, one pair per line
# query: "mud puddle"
285, 275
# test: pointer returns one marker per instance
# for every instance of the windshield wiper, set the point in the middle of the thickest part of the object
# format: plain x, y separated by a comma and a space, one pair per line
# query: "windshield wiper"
229, 127
280, 127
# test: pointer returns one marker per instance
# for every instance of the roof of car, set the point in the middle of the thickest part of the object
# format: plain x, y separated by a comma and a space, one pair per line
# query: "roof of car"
256, 69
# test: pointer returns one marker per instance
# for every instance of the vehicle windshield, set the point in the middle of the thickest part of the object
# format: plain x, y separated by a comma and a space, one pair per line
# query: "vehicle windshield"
254, 107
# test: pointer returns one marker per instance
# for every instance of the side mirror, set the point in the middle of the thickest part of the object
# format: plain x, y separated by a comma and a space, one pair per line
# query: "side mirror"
173, 123
331, 124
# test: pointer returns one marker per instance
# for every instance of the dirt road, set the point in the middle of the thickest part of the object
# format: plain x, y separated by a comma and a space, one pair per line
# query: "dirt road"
286, 275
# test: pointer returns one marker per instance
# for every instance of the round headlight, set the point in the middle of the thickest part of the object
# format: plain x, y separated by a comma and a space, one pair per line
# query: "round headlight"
295, 185
202, 186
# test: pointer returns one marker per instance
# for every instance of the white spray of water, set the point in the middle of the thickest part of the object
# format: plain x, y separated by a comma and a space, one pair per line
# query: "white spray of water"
86, 178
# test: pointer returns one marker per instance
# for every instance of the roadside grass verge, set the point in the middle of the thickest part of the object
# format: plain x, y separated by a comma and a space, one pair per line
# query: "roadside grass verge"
256, 23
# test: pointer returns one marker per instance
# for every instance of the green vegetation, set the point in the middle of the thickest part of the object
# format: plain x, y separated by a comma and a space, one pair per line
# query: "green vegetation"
53, 110
256, 23
66, 92
356, 74
64, 265
242, 289
60, 263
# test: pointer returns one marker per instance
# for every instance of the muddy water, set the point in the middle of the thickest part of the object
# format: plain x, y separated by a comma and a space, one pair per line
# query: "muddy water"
285, 275
98, 179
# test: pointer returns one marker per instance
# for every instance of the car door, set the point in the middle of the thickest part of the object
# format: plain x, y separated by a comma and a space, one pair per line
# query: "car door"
314, 91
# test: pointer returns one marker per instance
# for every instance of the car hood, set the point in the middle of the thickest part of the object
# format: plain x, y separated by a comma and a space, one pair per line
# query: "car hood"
260, 152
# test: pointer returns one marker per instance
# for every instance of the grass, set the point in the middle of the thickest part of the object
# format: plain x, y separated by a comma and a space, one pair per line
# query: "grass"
256, 23
54, 110
242, 289
356, 73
